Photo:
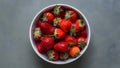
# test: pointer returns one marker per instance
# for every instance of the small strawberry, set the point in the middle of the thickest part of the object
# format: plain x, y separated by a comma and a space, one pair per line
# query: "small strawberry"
65, 25
71, 41
40, 48
56, 21
37, 34
46, 28
48, 17
64, 56
52, 55
74, 51
61, 46
59, 34
47, 43
58, 11
81, 42
70, 14
84, 33
79, 25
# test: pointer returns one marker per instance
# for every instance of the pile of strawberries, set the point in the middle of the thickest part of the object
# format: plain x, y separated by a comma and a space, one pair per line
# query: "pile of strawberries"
60, 33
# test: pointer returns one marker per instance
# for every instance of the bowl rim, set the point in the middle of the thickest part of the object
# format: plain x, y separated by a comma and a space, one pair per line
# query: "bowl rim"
54, 62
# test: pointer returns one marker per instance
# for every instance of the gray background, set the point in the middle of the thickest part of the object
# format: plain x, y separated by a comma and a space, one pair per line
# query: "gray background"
16, 17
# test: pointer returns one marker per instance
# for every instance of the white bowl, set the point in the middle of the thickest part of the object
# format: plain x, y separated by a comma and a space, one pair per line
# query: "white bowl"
32, 26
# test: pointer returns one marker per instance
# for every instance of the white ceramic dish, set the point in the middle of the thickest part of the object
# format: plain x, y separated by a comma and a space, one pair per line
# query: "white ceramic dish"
32, 26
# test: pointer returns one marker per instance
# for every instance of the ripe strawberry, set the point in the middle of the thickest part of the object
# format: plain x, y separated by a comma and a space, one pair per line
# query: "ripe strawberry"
56, 21
48, 17
61, 46
58, 33
71, 41
47, 43
81, 42
59, 11
65, 25
74, 51
64, 56
40, 48
79, 25
70, 14
37, 34
84, 33
46, 28
53, 55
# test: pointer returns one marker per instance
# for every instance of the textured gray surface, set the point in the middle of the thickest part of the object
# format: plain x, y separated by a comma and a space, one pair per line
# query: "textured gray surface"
16, 50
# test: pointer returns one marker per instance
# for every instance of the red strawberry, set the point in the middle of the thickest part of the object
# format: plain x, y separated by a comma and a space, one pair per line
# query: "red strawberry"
84, 33
64, 56
37, 34
48, 17
70, 14
61, 46
59, 11
71, 41
53, 55
46, 28
40, 48
58, 33
79, 25
47, 43
65, 25
81, 42
56, 21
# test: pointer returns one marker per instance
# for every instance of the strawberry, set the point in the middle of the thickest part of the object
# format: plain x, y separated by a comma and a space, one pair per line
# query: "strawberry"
46, 28
70, 14
84, 33
74, 51
65, 25
64, 56
59, 11
53, 55
81, 42
56, 21
47, 43
48, 17
37, 34
61, 46
71, 41
79, 25
40, 48
58, 33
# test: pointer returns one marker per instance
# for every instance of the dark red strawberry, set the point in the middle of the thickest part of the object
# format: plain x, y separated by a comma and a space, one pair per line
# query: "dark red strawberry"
65, 25
71, 41
46, 28
81, 42
61, 46
52, 55
56, 21
48, 17
64, 56
40, 48
71, 14
47, 43
59, 34
59, 11
78, 26
84, 33
37, 34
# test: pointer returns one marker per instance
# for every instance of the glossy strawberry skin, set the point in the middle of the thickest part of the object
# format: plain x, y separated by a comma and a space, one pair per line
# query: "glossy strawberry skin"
48, 17
46, 28
61, 46
40, 48
65, 25
47, 43
59, 34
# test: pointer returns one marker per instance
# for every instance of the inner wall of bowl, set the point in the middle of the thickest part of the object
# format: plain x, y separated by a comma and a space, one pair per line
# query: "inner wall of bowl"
36, 19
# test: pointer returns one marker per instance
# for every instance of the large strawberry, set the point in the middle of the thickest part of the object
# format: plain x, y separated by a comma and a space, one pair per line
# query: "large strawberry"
61, 46
79, 25
58, 33
52, 55
37, 34
47, 43
81, 42
71, 14
71, 41
45, 27
48, 17
59, 11
65, 25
